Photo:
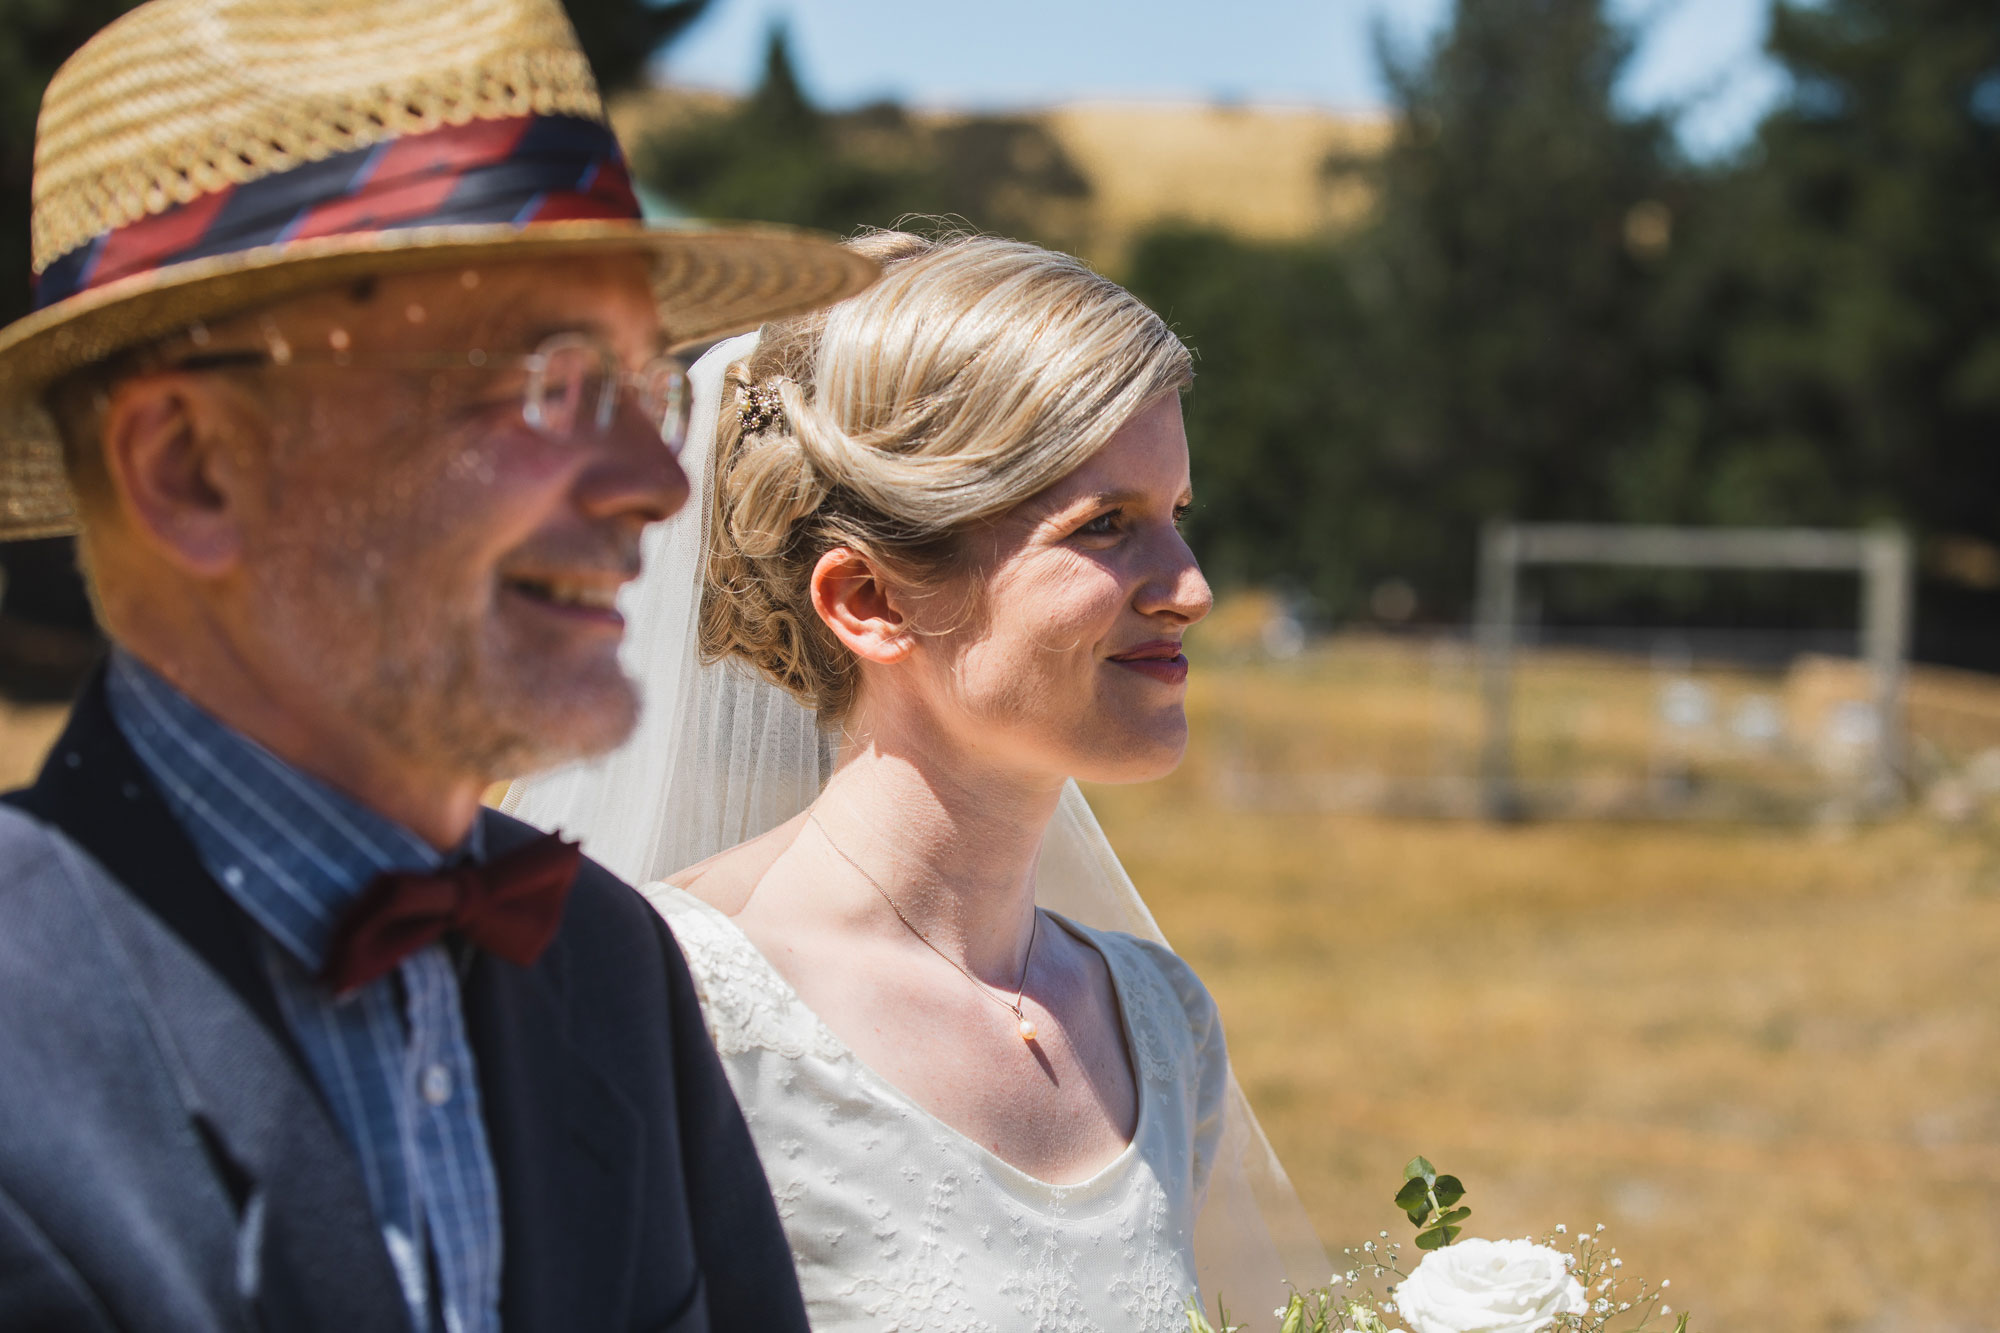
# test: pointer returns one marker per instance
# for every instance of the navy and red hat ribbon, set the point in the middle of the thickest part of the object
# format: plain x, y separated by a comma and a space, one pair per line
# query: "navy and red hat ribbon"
519, 170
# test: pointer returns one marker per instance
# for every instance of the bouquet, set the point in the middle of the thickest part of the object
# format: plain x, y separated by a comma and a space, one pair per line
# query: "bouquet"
1572, 1284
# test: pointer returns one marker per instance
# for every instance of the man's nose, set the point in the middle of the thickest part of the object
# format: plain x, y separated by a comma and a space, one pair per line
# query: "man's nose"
632, 473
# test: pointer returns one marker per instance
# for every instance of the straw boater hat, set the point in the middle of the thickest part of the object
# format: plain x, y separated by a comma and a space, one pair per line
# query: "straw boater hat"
201, 157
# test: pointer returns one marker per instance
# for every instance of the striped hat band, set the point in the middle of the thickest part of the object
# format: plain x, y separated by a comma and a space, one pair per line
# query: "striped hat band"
518, 170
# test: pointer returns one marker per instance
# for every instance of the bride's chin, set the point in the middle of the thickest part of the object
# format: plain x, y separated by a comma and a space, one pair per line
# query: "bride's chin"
1138, 755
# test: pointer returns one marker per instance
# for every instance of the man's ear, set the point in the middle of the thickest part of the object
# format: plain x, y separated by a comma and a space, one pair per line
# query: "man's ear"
861, 609
179, 484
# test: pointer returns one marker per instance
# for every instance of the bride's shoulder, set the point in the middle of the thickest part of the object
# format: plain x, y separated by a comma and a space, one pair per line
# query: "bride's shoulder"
1168, 1005
726, 880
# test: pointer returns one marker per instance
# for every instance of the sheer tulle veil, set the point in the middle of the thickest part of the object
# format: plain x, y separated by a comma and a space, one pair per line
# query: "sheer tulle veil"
720, 756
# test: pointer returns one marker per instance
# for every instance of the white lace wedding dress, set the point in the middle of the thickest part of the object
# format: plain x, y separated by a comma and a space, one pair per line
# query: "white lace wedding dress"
900, 1224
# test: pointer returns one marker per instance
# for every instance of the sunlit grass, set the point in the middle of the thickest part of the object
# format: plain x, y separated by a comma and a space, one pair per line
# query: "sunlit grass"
1768, 1054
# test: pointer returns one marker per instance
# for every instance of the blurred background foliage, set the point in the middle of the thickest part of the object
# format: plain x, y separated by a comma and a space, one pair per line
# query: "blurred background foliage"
1545, 312
777, 158
1540, 309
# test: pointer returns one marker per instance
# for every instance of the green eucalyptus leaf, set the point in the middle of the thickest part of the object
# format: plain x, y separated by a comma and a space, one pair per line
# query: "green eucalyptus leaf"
1449, 1190
1432, 1240
1455, 1215
1413, 1193
1420, 1168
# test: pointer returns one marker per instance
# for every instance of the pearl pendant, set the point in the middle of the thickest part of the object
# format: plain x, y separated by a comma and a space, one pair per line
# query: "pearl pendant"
1027, 1029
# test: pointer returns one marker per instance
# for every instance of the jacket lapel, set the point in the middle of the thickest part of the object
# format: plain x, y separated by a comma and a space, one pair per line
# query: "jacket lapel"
565, 1142
309, 1254
95, 790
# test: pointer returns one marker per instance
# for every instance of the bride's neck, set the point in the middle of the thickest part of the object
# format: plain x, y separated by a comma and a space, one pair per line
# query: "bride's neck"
953, 842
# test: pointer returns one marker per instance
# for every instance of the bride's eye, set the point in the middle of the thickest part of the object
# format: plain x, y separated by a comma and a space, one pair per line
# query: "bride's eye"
1104, 525
1181, 513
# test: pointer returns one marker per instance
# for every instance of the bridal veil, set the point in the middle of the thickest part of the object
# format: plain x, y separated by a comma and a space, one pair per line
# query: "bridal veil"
720, 756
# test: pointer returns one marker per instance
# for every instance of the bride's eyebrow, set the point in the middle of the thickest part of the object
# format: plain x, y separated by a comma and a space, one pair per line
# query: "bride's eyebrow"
1049, 508
1101, 500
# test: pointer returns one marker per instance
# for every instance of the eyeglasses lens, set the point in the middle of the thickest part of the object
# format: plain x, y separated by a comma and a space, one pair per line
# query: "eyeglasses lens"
575, 386
564, 381
668, 400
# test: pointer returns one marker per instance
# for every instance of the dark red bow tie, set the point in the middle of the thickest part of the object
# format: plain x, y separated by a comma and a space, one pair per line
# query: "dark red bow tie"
510, 906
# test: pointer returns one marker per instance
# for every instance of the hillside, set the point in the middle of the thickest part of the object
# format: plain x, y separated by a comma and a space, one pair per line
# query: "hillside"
1253, 171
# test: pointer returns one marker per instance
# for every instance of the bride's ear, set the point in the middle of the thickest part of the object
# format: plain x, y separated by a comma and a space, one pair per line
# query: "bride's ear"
860, 607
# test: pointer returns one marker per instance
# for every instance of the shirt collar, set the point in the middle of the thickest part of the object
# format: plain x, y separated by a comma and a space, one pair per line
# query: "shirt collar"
290, 850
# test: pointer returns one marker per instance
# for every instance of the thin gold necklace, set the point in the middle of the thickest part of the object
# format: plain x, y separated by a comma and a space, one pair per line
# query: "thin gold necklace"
1025, 1025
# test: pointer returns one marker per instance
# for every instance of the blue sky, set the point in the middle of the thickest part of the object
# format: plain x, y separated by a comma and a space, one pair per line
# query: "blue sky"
1704, 54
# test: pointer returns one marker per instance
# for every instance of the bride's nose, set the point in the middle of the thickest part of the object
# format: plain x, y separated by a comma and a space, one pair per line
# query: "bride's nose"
1174, 586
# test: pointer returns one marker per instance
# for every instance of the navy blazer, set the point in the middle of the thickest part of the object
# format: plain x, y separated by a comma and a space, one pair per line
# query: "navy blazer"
167, 1162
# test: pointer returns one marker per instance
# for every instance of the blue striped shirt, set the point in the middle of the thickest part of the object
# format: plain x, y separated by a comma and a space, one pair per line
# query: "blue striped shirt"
392, 1058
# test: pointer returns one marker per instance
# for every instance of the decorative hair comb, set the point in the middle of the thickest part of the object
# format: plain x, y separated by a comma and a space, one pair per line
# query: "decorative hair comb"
760, 410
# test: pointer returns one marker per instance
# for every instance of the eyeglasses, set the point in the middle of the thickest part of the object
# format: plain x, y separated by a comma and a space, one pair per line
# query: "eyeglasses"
573, 384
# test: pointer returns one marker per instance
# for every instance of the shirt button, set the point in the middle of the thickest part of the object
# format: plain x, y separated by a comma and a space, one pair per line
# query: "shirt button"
436, 1085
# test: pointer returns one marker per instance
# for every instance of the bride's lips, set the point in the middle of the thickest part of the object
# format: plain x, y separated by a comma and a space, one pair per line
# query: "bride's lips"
1161, 659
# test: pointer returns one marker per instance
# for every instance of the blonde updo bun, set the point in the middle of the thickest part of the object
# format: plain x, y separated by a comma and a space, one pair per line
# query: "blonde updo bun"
977, 373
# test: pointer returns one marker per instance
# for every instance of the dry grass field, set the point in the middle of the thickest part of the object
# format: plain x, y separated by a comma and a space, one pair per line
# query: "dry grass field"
1767, 1055
25, 736
1251, 171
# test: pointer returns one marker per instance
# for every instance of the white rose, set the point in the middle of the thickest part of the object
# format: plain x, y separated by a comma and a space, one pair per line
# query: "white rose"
1489, 1286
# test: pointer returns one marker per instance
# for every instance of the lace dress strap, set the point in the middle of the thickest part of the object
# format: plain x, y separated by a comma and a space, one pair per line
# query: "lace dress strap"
746, 1004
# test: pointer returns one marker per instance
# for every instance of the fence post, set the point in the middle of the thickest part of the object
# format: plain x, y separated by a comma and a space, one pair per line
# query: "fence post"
1885, 639
1499, 572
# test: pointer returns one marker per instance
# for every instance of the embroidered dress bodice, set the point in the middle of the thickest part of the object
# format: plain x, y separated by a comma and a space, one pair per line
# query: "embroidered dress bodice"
899, 1223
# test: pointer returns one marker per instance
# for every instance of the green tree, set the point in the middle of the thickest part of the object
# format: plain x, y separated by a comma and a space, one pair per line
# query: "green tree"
1511, 280
1862, 349
1279, 415
623, 37
1491, 344
778, 157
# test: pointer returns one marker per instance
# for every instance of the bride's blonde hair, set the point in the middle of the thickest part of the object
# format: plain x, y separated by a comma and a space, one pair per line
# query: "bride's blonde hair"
974, 375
